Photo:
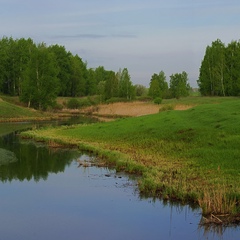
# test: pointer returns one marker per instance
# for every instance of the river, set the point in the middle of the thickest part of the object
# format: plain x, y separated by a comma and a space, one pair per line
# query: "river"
46, 194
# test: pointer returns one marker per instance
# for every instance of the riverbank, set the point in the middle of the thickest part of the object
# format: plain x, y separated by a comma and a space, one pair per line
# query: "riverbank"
188, 156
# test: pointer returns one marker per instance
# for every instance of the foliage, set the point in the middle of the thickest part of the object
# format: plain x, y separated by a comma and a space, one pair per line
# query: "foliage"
40, 85
73, 103
28, 70
126, 88
116, 99
179, 86
158, 100
141, 91
158, 86
219, 71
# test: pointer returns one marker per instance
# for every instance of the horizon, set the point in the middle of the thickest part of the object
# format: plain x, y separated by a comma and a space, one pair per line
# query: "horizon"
144, 36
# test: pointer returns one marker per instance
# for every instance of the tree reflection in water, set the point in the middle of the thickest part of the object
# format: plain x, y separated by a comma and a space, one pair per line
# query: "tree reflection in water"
31, 160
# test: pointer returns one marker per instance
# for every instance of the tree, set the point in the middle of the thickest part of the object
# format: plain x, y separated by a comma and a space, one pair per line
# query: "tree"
232, 63
91, 85
4, 46
126, 89
213, 70
14, 55
154, 89
101, 90
111, 85
40, 86
63, 59
78, 76
158, 85
141, 90
179, 86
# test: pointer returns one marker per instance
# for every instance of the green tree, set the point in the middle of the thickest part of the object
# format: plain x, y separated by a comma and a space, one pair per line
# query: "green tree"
126, 88
101, 90
63, 59
100, 74
40, 86
232, 74
78, 76
179, 86
141, 90
4, 46
111, 85
212, 71
154, 89
91, 84
158, 85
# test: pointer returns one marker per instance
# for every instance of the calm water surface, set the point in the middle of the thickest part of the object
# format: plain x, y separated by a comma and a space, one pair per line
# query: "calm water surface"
45, 194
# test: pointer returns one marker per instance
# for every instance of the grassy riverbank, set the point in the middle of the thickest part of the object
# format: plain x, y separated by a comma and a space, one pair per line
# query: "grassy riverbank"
190, 155
10, 112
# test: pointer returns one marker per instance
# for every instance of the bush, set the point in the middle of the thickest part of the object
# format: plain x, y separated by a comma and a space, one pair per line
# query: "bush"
167, 107
73, 103
144, 99
57, 106
116, 99
84, 102
158, 100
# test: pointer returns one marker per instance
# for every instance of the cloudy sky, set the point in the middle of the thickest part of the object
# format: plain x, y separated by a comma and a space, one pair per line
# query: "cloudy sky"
146, 36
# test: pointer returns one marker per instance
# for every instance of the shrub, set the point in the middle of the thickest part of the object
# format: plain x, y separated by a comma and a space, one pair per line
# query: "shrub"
73, 103
57, 106
158, 100
84, 102
116, 99
144, 98
166, 107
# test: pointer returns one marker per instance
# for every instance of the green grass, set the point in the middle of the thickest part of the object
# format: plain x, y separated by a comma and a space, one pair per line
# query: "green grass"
12, 112
191, 155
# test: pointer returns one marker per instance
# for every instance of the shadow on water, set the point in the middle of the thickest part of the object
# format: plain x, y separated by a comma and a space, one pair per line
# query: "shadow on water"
69, 202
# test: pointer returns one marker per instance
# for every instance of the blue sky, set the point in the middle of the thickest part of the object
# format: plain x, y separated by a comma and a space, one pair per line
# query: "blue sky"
146, 36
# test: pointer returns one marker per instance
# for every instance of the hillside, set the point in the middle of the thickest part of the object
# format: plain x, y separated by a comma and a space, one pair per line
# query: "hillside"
12, 112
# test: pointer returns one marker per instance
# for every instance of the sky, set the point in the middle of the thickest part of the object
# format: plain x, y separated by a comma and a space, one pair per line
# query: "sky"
144, 36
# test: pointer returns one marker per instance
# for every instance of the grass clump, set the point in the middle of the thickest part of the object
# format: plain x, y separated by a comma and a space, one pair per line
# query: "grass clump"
190, 155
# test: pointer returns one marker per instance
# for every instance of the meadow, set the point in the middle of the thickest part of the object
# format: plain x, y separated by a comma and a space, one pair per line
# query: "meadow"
191, 156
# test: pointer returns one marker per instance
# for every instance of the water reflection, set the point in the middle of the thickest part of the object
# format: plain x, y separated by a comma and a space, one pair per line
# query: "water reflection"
32, 161
46, 195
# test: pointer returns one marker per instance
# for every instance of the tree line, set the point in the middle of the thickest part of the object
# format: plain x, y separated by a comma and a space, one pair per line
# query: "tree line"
178, 85
219, 72
38, 73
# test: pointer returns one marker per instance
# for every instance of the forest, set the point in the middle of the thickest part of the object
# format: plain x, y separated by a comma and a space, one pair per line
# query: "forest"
219, 71
38, 74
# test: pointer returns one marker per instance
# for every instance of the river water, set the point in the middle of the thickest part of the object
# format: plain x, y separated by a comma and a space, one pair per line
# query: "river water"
46, 194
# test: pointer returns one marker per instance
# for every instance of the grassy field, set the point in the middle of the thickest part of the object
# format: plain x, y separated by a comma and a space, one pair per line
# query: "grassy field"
190, 156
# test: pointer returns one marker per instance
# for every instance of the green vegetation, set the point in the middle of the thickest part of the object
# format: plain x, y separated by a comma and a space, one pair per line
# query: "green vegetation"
38, 73
190, 156
13, 112
219, 71
178, 87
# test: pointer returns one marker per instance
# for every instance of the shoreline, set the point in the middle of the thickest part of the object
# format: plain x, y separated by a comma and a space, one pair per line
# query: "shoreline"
122, 162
